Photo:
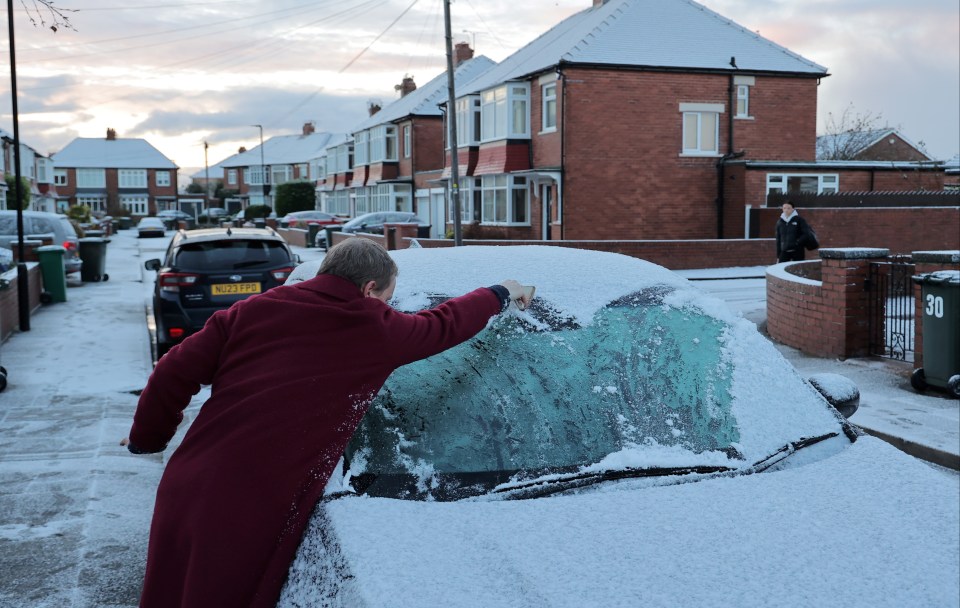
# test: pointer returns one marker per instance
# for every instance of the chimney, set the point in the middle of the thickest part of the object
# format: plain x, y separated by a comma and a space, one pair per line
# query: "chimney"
242, 150
599, 2
111, 134
309, 127
462, 52
407, 86
373, 107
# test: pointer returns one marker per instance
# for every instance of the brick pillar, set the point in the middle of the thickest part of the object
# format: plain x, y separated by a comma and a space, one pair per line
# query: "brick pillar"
846, 302
396, 235
927, 261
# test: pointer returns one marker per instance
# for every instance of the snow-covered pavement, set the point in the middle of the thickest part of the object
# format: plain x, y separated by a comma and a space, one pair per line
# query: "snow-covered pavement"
75, 507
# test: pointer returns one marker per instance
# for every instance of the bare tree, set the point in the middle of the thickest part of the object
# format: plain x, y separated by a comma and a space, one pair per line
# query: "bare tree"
45, 14
848, 134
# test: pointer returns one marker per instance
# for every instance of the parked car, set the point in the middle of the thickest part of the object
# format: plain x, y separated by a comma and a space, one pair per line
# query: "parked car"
151, 227
302, 219
207, 270
372, 223
625, 441
174, 214
40, 222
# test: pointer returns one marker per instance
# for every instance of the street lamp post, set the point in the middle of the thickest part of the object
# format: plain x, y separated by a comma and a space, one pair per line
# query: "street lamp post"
263, 170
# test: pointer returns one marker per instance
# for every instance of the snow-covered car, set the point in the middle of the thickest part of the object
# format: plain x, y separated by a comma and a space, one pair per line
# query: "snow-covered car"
151, 227
626, 440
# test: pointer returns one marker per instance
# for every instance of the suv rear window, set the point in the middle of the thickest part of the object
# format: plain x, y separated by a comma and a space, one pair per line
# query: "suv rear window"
231, 255
68, 228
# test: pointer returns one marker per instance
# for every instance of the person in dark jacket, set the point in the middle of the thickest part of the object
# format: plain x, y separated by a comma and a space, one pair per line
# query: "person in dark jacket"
792, 234
236, 495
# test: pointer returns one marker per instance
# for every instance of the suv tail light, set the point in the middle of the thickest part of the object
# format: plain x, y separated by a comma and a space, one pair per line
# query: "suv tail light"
173, 281
69, 245
281, 274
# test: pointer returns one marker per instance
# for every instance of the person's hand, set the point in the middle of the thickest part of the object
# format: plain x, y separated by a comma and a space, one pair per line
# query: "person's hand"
521, 294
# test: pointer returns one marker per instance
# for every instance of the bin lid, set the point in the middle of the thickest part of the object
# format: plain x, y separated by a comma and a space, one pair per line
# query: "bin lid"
92, 239
59, 248
940, 277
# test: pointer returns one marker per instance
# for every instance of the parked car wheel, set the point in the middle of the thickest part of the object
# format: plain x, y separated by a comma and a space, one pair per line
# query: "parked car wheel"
954, 385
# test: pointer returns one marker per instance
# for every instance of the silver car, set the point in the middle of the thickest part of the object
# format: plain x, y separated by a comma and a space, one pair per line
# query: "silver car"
36, 223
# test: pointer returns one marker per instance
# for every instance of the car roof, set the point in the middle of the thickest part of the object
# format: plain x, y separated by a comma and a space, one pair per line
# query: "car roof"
204, 235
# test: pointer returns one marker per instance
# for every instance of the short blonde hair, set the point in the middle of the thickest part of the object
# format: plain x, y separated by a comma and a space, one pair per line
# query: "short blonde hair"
360, 261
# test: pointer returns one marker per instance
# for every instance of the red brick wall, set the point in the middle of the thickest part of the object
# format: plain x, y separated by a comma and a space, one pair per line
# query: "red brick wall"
428, 152
902, 230
624, 177
897, 150
10, 299
502, 157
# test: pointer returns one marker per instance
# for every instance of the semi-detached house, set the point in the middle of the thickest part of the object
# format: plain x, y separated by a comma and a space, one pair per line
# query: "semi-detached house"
617, 123
113, 173
395, 158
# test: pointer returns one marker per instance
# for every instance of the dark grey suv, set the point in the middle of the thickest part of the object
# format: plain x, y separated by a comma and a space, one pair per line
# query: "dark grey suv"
208, 270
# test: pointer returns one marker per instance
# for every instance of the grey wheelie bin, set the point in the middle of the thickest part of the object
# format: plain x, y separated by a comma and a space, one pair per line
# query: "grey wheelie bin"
52, 272
93, 255
940, 305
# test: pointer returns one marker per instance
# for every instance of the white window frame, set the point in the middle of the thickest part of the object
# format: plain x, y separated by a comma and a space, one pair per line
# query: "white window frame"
827, 183
743, 101
383, 144
60, 177
281, 174
44, 167
136, 205
162, 178
468, 121
548, 104
407, 140
231, 177
95, 203
132, 178
91, 178
344, 159
361, 148
505, 112
254, 175
696, 129
499, 197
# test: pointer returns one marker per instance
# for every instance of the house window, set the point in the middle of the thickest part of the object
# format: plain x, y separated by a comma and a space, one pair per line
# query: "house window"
95, 203
789, 183
505, 112
232, 177
303, 171
468, 121
504, 200
163, 178
361, 148
550, 107
60, 177
701, 128
254, 175
743, 101
91, 178
383, 143
344, 158
281, 174
43, 170
132, 178
406, 141
136, 205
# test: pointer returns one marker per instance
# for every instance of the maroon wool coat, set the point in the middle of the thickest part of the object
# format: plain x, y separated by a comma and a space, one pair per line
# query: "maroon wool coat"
292, 371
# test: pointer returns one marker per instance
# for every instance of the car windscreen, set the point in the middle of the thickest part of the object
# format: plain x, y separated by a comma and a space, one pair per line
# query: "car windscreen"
233, 254
540, 393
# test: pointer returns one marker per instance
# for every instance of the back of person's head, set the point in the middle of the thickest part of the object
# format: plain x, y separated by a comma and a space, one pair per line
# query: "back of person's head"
360, 260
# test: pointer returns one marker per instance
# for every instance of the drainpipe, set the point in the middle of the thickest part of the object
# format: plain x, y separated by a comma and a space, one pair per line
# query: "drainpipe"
721, 163
563, 151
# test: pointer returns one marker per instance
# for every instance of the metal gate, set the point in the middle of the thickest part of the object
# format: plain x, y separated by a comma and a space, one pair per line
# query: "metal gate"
891, 308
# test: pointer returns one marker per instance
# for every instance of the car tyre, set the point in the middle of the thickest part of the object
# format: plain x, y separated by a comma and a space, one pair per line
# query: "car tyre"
954, 385
918, 380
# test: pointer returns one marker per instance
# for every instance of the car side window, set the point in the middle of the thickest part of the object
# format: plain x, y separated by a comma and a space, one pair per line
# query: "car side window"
43, 226
8, 224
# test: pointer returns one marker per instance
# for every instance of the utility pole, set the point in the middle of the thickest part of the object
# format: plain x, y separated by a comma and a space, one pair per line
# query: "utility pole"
452, 131
263, 170
23, 285
206, 172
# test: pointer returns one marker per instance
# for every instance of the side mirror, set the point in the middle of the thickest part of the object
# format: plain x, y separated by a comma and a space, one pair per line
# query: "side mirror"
296, 259
839, 391
152, 264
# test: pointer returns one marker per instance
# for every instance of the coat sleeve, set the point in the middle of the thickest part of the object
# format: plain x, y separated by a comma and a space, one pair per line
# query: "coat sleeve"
411, 337
177, 377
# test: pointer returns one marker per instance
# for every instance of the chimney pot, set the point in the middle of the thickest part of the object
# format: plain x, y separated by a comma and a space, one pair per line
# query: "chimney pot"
309, 127
111, 134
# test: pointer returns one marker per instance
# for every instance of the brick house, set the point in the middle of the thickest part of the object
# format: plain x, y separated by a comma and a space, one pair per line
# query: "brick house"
395, 157
114, 173
35, 168
283, 158
872, 145
635, 120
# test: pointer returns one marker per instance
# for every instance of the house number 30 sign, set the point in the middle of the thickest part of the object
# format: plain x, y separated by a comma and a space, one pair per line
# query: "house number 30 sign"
934, 306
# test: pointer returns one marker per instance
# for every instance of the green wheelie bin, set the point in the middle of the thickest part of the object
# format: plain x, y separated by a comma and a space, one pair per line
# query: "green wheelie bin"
52, 273
940, 305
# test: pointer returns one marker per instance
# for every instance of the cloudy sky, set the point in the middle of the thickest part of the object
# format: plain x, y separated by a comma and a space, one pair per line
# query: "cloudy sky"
179, 73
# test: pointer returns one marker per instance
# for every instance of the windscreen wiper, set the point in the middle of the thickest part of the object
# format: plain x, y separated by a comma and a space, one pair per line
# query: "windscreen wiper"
545, 487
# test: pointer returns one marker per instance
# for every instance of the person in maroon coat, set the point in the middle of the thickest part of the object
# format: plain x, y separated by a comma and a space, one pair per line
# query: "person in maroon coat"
292, 371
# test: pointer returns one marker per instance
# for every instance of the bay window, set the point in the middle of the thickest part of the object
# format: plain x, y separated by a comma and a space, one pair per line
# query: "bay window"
505, 112
361, 148
383, 143
132, 178
91, 178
